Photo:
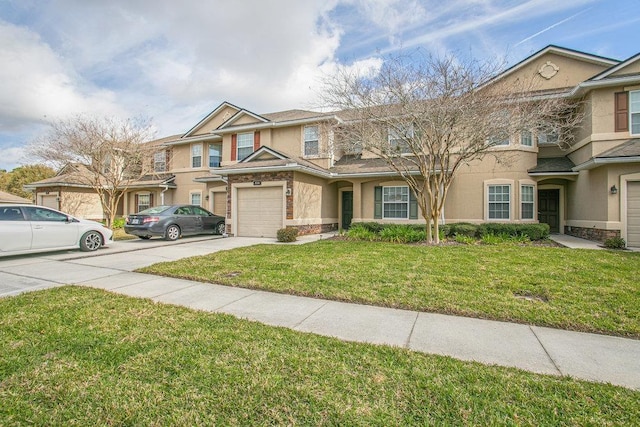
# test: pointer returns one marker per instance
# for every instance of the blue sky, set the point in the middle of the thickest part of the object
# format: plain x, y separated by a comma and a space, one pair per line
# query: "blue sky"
173, 62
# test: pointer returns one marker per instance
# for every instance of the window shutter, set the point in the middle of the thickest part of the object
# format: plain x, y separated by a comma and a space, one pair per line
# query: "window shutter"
151, 200
377, 207
256, 141
413, 205
135, 203
234, 147
622, 111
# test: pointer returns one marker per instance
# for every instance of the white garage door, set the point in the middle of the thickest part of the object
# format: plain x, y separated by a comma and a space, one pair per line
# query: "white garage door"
49, 201
259, 211
633, 213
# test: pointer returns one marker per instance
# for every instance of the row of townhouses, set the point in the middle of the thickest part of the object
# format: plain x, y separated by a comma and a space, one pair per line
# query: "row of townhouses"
269, 171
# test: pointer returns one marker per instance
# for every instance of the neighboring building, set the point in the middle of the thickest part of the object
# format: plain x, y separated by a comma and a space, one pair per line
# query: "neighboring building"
8, 198
268, 171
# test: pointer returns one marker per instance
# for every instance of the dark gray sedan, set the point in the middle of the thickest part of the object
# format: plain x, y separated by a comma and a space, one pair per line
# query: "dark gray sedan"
171, 222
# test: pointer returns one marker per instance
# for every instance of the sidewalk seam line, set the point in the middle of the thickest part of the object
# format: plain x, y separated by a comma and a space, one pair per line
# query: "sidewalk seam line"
172, 291
553, 362
234, 301
295, 327
408, 342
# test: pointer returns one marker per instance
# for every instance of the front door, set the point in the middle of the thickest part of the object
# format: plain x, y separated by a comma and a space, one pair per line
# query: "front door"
347, 209
549, 209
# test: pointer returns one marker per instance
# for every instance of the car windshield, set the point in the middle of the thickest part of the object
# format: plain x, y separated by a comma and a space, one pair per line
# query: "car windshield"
154, 210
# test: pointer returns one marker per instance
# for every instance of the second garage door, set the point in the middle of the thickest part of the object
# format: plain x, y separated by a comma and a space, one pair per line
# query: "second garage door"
633, 213
259, 211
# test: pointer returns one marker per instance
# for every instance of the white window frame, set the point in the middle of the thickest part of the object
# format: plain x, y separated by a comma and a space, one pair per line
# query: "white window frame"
501, 202
195, 193
148, 204
196, 153
311, 139
634, 112
219, 144
247, 145
160, 158
499, 140
531, 202
526, 135
396, 137
386, 194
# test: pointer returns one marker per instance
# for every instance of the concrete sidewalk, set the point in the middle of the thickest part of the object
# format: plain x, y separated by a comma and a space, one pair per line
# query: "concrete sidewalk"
537, 349
543, 350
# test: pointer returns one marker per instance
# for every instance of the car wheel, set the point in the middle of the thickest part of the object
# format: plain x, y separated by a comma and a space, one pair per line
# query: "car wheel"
90, 241
172, 232
145, 237
220, 228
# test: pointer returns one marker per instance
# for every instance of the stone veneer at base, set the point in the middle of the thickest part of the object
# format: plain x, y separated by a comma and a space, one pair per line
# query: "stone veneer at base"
315, 228
595, 234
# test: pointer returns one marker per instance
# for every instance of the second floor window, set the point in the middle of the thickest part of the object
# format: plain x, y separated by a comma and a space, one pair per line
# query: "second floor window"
548, 137
160, 162
245, 145
634, 111
498, 140
215, 155
311, 146
526, 139
196, 156
399, 138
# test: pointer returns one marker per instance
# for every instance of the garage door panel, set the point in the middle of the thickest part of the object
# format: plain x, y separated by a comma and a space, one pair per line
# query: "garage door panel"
633, 213
259, 211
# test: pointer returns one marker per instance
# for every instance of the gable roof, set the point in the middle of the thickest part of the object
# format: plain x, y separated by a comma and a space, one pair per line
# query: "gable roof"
558, 50
209, 116
231, 120
627, 152
615, 68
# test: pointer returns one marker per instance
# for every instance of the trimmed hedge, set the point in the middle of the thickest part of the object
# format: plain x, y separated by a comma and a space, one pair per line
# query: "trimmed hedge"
531, 231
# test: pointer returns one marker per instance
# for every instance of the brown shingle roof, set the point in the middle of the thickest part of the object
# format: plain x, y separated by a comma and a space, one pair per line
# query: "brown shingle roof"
630, 148
553, 164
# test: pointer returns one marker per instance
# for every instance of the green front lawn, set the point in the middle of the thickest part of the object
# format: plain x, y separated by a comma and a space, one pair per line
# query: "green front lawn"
595, 291
79, 356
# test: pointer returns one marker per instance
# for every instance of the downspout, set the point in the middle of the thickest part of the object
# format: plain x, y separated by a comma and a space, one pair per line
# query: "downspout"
166, 187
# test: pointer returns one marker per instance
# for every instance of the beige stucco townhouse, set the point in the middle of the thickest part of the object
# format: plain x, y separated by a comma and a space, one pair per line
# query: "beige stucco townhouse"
268, 171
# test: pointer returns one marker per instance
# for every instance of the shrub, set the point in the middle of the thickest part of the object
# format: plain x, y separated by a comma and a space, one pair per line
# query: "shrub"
402, 234
117, 223
288, 234
531, 231
467, 240
374, 227
359, 231
615, 243
462, 229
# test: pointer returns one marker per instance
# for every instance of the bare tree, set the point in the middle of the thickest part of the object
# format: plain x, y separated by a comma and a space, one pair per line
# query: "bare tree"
427, 116
113, 154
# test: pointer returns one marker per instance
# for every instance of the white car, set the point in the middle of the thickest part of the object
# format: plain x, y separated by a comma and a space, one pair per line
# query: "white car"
29, 228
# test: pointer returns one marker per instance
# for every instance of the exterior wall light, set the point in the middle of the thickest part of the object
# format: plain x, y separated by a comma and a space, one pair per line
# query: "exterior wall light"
613, 189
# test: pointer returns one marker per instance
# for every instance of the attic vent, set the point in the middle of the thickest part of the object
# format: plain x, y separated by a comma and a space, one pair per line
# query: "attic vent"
548, 70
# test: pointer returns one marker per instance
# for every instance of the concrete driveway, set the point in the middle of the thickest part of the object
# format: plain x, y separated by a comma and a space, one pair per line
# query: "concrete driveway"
39, 271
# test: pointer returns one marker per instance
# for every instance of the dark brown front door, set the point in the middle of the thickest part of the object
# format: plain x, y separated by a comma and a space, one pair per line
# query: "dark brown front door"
347, 209
549, 209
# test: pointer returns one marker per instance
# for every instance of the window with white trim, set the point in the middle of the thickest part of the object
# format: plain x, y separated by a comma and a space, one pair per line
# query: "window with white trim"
395, 202
144, 202
526, 138
196, 198
500, 139
245, 145
499, 199
160, 161
215, 154
634, 111
311, 145
196, 155
527, 201
399, 137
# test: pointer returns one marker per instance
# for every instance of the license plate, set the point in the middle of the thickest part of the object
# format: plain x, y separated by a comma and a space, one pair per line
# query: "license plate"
135, 221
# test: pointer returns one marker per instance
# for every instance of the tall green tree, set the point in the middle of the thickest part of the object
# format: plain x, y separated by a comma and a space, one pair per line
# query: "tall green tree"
14, 181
